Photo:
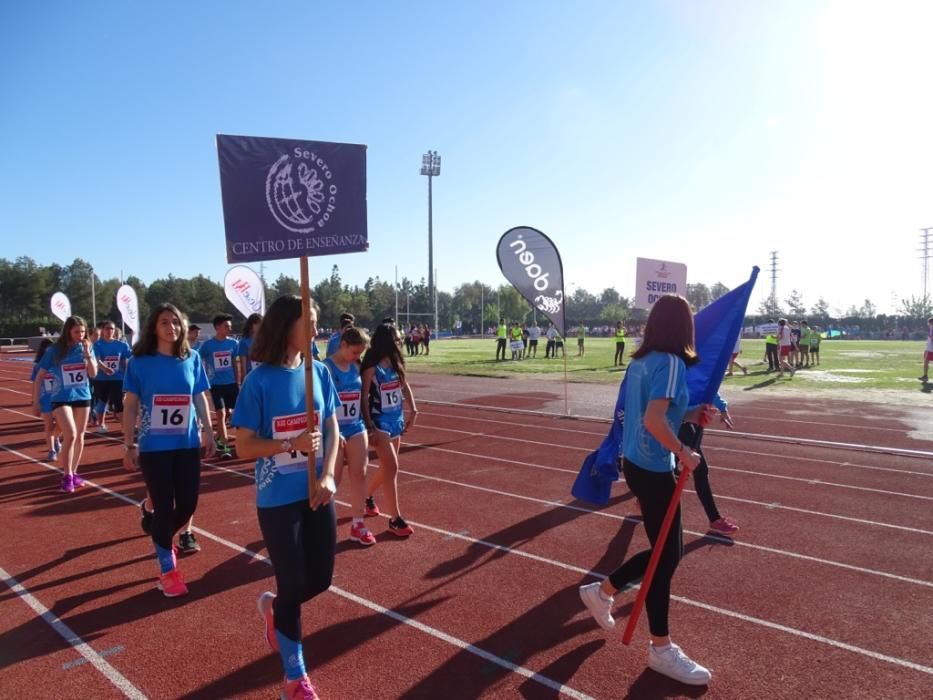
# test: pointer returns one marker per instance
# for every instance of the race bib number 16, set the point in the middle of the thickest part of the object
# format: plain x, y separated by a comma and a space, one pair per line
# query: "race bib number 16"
170, 414
73, 375
349, 407
222, 360
391, 395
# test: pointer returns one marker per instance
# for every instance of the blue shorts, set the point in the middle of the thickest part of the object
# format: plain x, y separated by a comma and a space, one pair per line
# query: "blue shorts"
390, 425
350, 429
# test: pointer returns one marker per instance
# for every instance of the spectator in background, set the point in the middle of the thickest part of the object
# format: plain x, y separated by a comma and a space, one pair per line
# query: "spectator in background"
928, 352
534, 333
620, 345
550, 349
771, 349
501, 339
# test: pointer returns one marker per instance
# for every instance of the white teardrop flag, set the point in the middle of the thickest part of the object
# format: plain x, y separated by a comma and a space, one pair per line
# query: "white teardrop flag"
61, 306
245, 291
128, 304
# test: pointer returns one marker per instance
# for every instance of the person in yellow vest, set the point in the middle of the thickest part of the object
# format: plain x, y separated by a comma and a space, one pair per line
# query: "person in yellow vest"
581, 336
771, 349
501, 339
515, 336
620, 344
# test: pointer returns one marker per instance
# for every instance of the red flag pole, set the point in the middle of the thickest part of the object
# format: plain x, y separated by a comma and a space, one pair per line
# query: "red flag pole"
659, 546
655, 557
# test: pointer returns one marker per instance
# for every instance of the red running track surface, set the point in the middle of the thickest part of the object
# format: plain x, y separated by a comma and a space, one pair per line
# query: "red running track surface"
827, 592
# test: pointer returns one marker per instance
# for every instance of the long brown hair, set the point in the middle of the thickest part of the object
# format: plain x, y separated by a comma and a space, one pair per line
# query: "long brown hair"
43, 346
63, 344
148, 342
270, 344
670, 329
383, 345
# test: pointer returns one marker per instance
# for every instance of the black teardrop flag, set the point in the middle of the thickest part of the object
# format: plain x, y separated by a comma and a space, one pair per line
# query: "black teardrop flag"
530, 261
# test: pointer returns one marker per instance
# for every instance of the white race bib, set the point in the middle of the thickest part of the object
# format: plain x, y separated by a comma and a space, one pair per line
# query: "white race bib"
222, 360
285, 427
350, 407
171, 414
391, 395
48, 384
112, 363
74, 375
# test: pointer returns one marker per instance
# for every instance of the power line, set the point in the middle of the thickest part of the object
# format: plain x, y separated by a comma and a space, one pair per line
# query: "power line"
925, 257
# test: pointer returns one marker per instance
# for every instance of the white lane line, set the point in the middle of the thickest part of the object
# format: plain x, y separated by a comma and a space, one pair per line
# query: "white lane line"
65, 632
398, 617
507, 664
767, 475
772, 505
737, 499
602, 434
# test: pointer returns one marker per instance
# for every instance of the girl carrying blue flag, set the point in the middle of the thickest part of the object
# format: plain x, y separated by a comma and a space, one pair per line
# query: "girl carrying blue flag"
656, 404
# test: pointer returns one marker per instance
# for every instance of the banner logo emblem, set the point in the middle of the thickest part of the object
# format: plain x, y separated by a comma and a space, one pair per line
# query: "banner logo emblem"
297, 194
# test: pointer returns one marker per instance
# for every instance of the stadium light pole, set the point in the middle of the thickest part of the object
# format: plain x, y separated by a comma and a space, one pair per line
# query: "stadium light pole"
431, 167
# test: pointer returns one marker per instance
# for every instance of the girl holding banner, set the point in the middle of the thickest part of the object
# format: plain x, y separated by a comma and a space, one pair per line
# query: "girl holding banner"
164, 381
656, 403
72, 363
384, 386
272, 423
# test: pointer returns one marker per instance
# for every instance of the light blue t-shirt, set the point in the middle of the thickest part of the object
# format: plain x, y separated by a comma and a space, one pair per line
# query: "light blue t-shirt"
659, 375
112, 354
69, 374
218, 357
45, 393
349, 387
272, 404
333, 343
243, 350
166, 386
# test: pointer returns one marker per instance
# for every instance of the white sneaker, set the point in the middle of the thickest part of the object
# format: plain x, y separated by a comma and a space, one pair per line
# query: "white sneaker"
673, 663
599, 607
102, 429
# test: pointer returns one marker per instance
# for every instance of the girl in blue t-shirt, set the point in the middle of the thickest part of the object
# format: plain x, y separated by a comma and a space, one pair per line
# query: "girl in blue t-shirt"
167, 391
344, 366
272, 428
112, 355
384, 387
71, 362
245, 364
656, 404
52, 433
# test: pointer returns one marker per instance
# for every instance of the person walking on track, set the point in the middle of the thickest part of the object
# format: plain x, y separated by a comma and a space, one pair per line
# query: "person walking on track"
112, 355
219, 355
300, 534
656, 404
71, 362
52, 433
164, 381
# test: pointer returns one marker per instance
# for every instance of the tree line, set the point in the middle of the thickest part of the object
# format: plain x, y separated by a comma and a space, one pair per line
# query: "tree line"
26, 288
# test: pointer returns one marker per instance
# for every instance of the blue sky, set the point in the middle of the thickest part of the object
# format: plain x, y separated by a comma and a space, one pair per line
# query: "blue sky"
708, 133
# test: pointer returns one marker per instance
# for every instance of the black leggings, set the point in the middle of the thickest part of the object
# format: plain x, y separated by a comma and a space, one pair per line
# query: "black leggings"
302, 544
620, 352
692, 435
173, 478
500, 347
654, 491
771, 351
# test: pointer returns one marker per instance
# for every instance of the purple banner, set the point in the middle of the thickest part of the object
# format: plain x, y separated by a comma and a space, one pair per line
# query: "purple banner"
285, 198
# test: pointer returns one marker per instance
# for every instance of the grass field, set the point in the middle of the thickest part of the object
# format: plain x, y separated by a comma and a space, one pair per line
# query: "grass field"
845, 364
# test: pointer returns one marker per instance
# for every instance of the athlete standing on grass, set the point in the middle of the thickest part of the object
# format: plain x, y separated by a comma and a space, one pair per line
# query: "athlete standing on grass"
785, 349
384, 386
656, 401
52, 433
344, 366
164, 381
71, 362
927, 353
273, 429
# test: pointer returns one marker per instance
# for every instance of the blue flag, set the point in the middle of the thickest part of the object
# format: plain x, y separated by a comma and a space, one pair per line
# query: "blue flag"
718, 326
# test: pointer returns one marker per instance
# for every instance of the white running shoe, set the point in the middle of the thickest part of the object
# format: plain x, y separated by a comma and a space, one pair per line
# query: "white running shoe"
102, 429
599, 607
673, 663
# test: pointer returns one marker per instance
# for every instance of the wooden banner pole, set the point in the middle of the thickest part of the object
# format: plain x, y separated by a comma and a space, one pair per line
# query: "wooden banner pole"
309, 372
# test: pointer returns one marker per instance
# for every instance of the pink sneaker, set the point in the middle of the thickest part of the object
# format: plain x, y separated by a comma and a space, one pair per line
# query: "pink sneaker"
264, 605
172, 584
68, 484
360, 533
724, 526
77, 480
300, 689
